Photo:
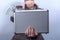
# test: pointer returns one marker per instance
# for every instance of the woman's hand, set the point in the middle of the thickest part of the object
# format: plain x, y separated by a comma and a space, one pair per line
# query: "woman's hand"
30, 32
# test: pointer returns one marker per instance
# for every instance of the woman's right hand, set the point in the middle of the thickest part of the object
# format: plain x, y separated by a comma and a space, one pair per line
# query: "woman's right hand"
30, 32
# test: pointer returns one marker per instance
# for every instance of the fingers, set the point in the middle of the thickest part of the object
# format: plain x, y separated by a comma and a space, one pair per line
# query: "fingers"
26, 32
30, 32
36, 33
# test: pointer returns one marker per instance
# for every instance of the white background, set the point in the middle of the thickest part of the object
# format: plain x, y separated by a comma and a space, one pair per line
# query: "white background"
7, 27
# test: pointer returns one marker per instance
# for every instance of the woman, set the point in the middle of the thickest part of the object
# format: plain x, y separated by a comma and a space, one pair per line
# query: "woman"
30, 32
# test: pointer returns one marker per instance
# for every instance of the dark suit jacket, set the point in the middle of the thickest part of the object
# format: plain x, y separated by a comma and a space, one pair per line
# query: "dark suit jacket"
22, 36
